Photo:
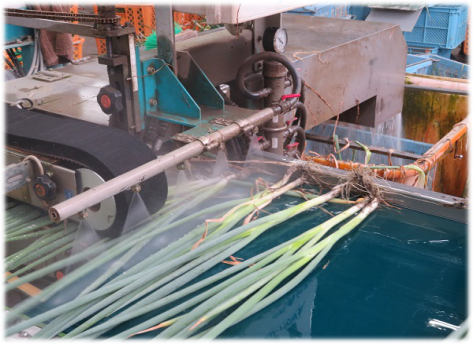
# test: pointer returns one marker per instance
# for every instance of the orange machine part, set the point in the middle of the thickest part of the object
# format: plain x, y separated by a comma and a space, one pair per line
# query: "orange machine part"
429, 159
468, 40
142, 17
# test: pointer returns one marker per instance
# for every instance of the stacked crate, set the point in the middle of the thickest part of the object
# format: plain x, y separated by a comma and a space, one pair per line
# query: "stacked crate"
142, 17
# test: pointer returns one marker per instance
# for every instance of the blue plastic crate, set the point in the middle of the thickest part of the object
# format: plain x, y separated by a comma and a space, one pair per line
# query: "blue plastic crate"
422, 49
429, 49
359, 12
368, 137
430, 64
441, 25
322, 10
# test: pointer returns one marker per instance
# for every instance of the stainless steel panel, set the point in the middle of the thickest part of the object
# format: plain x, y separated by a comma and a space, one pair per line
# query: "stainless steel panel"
347, 62
406, 19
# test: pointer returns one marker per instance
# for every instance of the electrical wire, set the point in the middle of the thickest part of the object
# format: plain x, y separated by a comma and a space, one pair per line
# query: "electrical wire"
37, 61
35, 159
12, 57
33, 63
15, 61
13, 69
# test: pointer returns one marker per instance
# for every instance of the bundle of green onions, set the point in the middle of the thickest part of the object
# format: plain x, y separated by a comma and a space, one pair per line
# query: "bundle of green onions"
171, 273
23, 222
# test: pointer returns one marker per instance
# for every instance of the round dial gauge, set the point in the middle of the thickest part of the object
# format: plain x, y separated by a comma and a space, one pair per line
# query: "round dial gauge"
275, 39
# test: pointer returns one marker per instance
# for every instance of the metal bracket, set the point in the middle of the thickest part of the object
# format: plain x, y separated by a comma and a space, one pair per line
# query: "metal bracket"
197, 83
171, 96
184, 138
114, 61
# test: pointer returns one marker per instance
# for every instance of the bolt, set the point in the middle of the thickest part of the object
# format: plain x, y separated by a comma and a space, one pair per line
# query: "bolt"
25, 334
136, 188
153, 102
458, 157
151, 69
83, 214
181, 166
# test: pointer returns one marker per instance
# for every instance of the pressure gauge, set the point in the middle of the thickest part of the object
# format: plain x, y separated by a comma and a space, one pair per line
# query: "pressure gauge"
275, 40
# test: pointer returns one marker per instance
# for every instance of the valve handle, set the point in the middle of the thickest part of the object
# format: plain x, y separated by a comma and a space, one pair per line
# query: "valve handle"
291, 95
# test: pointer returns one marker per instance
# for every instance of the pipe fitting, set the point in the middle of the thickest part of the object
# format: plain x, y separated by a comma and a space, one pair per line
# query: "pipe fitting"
245, 126
83, 214
275, 130
267, 56
136, 188
273, 69
301, 114
150, 69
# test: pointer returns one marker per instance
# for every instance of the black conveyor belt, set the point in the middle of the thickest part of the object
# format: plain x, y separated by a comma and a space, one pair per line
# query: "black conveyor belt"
108, 151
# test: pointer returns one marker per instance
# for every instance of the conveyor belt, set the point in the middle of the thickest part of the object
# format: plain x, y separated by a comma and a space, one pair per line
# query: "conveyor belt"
107, 151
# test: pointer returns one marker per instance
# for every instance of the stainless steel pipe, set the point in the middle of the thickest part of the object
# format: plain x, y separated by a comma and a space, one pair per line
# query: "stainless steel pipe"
142, 173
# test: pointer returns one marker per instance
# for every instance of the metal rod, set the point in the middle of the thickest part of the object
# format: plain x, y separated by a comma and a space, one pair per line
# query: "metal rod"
142, 173
51, 25
373, 149
165, 38
427, 161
